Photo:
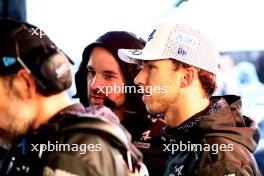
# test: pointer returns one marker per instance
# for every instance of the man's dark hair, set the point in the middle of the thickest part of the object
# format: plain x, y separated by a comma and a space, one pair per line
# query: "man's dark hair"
207, 79
112, 41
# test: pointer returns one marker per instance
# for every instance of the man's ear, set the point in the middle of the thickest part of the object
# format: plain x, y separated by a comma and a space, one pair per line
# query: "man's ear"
25, 84
188, 76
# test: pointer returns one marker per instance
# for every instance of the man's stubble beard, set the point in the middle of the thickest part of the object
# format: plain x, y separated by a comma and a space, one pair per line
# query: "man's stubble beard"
161, 103
19, 118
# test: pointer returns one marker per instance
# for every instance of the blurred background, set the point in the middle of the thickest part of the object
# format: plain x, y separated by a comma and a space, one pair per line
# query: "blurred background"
235, 26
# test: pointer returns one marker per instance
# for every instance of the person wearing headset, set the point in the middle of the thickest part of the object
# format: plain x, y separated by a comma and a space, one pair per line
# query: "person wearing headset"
49, 134
104, 79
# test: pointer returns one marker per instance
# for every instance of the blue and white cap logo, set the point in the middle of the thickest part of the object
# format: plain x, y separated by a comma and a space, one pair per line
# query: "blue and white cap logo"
151, 35
8, 61
136, 52
186, 40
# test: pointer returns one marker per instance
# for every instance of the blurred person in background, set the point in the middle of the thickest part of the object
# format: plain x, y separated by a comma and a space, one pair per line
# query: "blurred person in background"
251, 90
228, 76
259, 63
242, 79
101, 67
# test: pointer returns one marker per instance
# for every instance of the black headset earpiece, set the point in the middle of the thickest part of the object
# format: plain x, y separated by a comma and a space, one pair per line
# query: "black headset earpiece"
51, 68
53, 72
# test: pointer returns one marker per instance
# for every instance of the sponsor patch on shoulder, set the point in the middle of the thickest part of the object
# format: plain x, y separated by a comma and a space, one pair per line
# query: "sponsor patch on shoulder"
142, 145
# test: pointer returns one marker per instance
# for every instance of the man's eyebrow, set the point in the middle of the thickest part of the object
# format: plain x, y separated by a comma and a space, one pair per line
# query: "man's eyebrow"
90, 68
109, 72
142, 62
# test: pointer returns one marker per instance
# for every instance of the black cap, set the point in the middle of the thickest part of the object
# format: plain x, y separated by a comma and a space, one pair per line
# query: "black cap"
20, 39
25, 46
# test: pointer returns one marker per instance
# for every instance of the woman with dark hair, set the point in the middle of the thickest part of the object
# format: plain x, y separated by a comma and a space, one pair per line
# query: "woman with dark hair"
104, 79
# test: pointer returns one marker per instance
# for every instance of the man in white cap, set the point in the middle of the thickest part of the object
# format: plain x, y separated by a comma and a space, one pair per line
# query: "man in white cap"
205, 135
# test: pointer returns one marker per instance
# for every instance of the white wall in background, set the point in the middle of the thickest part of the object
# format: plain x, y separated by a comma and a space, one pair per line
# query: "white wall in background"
73, 24
236, 25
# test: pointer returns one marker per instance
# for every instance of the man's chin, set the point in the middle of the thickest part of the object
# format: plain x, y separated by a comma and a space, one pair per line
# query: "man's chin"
152, 110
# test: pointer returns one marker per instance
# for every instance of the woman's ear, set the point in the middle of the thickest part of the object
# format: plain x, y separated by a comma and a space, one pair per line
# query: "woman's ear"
25, 84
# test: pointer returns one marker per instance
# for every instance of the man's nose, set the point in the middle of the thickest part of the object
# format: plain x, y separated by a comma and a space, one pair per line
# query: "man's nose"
96, 82
140, 79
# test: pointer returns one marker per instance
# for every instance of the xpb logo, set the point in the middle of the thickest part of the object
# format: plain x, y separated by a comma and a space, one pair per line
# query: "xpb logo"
37, 32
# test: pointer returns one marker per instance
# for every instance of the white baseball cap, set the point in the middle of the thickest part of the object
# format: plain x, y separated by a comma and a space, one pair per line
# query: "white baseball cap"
176, 41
